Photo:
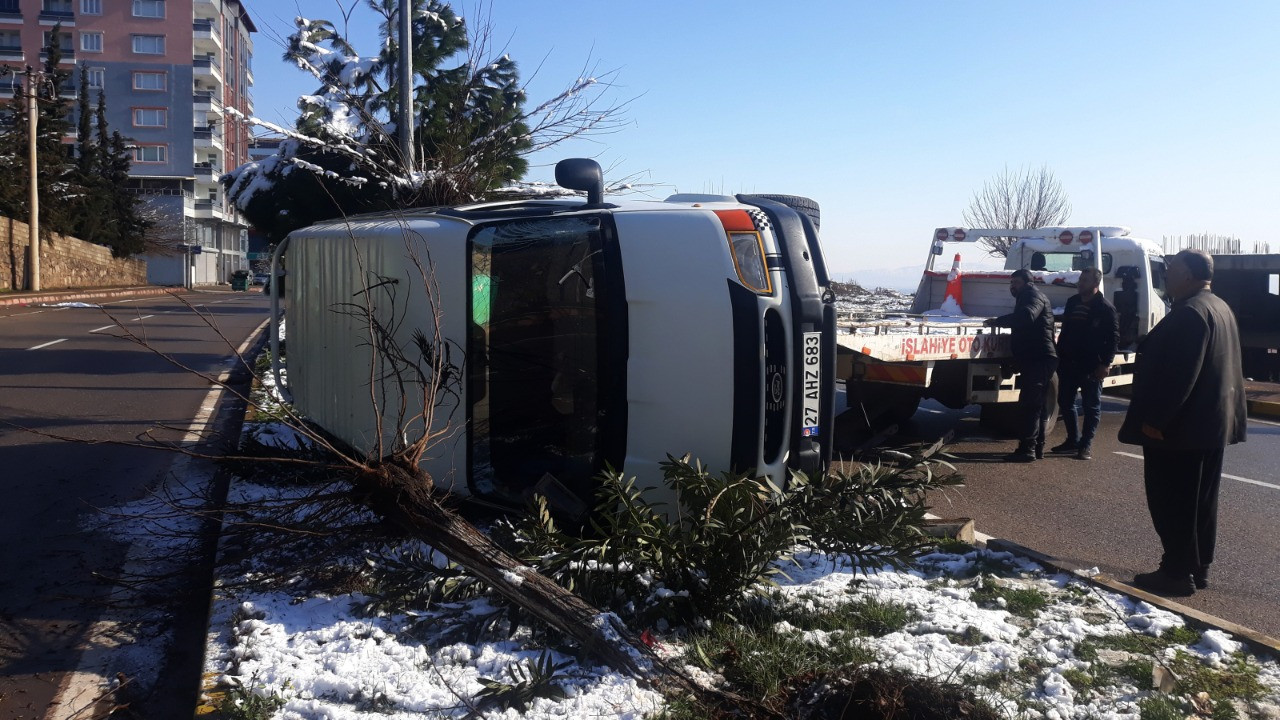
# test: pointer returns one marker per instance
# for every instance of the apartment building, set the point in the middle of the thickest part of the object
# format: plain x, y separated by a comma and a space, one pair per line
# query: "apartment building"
175, 74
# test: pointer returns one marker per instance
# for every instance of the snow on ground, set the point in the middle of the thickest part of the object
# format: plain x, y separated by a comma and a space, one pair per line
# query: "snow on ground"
324, 660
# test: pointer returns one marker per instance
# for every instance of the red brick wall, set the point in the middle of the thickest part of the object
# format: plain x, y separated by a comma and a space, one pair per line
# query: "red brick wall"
65, 262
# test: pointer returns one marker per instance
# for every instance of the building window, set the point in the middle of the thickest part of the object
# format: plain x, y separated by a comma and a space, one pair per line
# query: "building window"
91, 41
148, 44
65, 42
150, 117
11, 40
148, 8
90, 7
150, 81
10, 7
151, 153
56, 6
97, 78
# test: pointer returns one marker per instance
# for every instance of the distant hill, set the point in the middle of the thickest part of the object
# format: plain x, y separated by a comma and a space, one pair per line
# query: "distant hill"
853, 298
903, 279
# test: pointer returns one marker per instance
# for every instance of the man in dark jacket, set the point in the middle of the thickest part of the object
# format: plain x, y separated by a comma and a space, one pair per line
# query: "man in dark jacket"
1034, 358
1188, 405
1086, 347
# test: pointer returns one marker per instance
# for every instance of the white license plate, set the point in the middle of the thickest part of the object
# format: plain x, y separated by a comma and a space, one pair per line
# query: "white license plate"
811, 384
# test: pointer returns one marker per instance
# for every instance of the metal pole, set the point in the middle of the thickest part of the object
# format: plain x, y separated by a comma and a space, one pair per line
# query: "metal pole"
406, 85
273, 283
33, 222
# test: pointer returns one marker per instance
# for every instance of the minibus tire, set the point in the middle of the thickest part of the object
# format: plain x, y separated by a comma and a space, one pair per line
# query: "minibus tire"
795, 202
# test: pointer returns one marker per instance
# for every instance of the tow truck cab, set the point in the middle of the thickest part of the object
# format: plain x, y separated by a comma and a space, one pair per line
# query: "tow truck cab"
1132, 268
594, 335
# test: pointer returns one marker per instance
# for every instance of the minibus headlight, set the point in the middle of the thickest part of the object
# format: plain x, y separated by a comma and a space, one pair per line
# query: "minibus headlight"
748, 257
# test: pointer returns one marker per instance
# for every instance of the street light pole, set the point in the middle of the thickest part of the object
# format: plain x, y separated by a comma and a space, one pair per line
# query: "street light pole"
33, 221
406, 85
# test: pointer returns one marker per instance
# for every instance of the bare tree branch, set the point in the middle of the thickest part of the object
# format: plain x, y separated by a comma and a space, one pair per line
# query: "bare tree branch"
1026, 198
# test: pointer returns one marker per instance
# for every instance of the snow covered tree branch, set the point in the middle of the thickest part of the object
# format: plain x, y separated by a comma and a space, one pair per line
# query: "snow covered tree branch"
471, 130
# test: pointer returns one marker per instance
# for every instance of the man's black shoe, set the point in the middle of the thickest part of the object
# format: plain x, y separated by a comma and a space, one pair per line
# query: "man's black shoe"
1200, 576
1021, 455
1069, 446
1039, 451
1084, 453
1165, 583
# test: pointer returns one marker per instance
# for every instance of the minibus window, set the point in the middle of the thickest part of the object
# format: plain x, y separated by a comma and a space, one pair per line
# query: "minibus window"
533, 357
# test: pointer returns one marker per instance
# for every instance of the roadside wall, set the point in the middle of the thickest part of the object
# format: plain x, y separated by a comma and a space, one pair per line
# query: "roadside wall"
65, 262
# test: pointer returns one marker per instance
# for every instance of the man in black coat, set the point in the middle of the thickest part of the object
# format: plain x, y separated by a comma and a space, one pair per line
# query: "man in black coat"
1188, 405
1035, 359
1086, 347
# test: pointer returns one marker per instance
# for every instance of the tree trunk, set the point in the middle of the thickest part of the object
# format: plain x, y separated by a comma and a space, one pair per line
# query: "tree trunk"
401, 494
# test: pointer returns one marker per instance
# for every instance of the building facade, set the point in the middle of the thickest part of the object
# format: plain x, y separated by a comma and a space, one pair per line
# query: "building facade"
178, 82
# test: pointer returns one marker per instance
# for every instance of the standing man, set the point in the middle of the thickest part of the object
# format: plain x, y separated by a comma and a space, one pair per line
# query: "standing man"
1086, 347
1034, 358
1188, 405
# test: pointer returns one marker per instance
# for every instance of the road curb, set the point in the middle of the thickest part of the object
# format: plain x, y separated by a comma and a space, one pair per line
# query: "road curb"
1254, 639
1264, 408
54, 296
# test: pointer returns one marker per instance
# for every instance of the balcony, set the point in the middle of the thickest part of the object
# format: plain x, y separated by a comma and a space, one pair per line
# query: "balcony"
207, 68
207, 8
207, 209
50, 17
207, 172
206, 35
206, 101
10, 52
68, 56
207, 137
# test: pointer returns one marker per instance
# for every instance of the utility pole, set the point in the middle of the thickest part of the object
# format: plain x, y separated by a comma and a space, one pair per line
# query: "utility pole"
405, 121
33, 222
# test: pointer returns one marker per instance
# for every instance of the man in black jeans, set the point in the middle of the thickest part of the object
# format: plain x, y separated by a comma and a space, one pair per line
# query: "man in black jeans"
1086, 347
1035, 359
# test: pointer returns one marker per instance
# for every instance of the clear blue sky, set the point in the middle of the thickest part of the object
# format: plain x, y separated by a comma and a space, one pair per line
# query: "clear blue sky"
1160, 116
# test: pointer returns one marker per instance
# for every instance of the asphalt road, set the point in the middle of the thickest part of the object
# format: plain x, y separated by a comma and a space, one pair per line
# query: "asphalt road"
1093, 513
67, 372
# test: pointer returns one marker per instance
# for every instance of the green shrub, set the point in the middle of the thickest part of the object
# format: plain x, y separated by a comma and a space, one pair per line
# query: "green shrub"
243, 703
1023, 602
532, 679
1160, 707
1180, 635
734, 530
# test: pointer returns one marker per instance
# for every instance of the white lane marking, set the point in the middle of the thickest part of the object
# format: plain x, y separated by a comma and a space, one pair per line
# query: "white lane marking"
1253, 482
1231, 477
80, 689
51, 342
104, 327
144, 317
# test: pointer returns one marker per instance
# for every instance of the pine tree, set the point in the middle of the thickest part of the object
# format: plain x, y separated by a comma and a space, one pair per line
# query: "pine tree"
94, 221
59, 189
126, 211
343, 157
82, 186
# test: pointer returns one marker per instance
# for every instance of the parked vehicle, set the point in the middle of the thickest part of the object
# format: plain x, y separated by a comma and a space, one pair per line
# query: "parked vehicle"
592, 334
941, 349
